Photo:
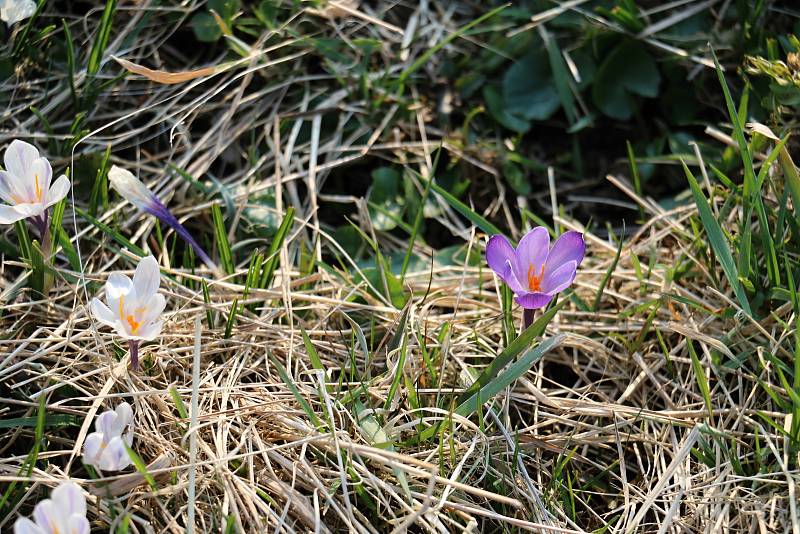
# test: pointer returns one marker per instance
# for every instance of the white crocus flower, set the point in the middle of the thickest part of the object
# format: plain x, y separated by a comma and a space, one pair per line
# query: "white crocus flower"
13, 11
25, 185
105, 447
63, 513
134, 191
134, 306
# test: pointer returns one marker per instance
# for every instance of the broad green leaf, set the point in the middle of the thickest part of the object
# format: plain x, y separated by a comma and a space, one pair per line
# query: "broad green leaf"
628, 70
529, 90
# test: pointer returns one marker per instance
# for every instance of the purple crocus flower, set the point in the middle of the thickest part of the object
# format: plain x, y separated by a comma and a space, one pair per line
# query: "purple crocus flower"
135, 192
534, 271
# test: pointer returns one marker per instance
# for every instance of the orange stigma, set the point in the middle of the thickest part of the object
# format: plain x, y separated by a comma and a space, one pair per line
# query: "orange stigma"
131, 319
535, 281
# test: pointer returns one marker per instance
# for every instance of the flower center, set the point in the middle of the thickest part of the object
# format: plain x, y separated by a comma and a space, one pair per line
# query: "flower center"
131, 319
534, 280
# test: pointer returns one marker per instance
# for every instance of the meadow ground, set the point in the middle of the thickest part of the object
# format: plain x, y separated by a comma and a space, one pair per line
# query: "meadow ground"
350, 363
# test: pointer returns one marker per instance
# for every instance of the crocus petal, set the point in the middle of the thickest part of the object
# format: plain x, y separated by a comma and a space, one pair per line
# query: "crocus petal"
46, 515
499, 254
59, 190
78, 524
102, 313
146, 279
115, 456
19, 157
10, 214
560, 279
105, 424
122, 330
512, 280
124, 416
533, 301
8, 187
17, 10
92, 448
154, 307
23, 525
118, 285
149, 331
532, 251
40, 174
69, 499
130, 187
569, 247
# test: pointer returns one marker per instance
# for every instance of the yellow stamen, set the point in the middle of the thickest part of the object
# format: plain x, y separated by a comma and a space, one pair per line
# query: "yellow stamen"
38, 189
535, 281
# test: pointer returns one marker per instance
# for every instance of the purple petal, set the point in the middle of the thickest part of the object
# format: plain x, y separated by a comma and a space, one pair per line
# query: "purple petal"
569, 247
534, 301
513, 282
560, 279
157, 209
499, 255
532, 252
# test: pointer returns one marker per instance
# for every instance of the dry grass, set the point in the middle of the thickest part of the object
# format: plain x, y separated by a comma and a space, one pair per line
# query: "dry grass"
609, 430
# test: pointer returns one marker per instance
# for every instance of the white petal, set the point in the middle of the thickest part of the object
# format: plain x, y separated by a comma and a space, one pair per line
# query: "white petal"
122, 330
146, 279
105, 423
58, 191
115, 456
18, 10
118, 285
102, 313
129, 187
41, 174
69, 499
150, 331
10, 214
124, 417
46, 515
78, 524
91, 448
19, 155
9, 187
154, 308
24, 525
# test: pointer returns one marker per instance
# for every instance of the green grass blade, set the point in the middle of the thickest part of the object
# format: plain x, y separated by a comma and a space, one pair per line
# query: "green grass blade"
718, 241
316, 362
296, 392
700, 375
473, 401
223, 245
101, 40
113, 234
516, 347
141, 467
271, 259
465, 210
231, 318
611, 268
